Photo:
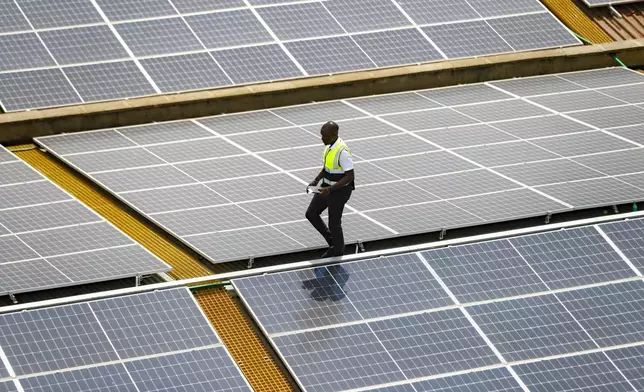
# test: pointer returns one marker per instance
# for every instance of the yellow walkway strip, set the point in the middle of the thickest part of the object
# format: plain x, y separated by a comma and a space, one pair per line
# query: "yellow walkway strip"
184, 262
576, 20
242, 341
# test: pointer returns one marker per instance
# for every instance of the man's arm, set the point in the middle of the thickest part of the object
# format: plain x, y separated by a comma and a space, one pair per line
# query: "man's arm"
318, 178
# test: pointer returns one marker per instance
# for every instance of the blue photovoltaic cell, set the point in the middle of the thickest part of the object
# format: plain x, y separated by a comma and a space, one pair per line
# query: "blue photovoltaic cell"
575, 257
36, 89
296, 21
109, 81
329, 55
117, 10
158, 36
188, 6
484, 271
627, 235
83, 45
397, 47
296, 300
257, 63
54, 339
390, 285
8, 387
186, 72
110, 378
630, 361
591, 372
613, 315
494, 380
226, 29
395, 388
154, 323
439, 11
23, 51
366, 15
337, 359
45, 14
3, 370
432, 343
529, 328
11, 19
206, 370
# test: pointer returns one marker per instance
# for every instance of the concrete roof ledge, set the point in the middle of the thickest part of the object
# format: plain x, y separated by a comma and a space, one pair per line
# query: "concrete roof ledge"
21, 127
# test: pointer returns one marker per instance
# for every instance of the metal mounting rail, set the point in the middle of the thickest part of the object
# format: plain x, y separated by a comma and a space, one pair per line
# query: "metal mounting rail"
224, 277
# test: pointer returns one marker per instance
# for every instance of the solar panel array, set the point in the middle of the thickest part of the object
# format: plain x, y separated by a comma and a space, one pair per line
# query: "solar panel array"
233, 186
604, 3
65, 52
476, 317
157, 341
49, 239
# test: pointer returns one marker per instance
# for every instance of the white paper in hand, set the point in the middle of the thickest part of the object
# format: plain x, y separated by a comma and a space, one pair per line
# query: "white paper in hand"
313, 189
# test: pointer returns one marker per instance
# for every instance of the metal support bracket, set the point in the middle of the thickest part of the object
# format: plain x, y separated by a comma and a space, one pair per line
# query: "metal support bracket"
359, 247
251, 261
137, 281
13, 298
615, 209
548, 217
442, 234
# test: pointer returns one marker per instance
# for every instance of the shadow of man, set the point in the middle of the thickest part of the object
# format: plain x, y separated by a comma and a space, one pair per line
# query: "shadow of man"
328, 284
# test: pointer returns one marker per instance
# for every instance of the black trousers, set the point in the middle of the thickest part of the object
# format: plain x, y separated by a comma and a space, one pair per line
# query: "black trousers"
335, 202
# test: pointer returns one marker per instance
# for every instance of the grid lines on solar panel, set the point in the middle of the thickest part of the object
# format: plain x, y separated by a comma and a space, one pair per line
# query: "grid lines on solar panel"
366, 15
83, 45
23, 51
574, 257
11, 18
210, 369
109, 378
338, 359
590, 372
329, 55
59, 13
493, 380
54, 339
260, 63
8, 386
296, 300
294, 21
467, 39
629, 360
611, 314
374, 292
532, 31
154, 323
185, 72
593, 192
227, 29
159, 36
530, 328
433, 343
484, 271
396, 47
36, 89
626, 236
105, 81
16, 172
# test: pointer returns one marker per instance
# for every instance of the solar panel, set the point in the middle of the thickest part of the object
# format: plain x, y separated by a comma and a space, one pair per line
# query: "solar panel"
494, 380
466, 309
454, 157
530, 328
572, 257
343, 358
610, 314
484, 271
252, 42
48, 239
153, 323
8, 386
433, 343
591, 372
626, 236
153, 341
629, 361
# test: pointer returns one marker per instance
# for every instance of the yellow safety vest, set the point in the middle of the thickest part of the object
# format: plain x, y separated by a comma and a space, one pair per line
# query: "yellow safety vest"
333, 171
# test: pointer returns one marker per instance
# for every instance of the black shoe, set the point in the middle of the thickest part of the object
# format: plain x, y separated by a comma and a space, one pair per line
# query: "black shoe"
328, 253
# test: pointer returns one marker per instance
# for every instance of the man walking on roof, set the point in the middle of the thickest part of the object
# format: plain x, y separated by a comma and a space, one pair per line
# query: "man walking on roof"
337, 178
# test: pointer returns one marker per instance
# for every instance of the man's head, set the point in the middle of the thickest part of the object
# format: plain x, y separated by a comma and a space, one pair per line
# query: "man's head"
329, 132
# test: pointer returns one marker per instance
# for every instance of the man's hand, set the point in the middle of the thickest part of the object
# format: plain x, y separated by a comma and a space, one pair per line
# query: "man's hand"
325, 191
